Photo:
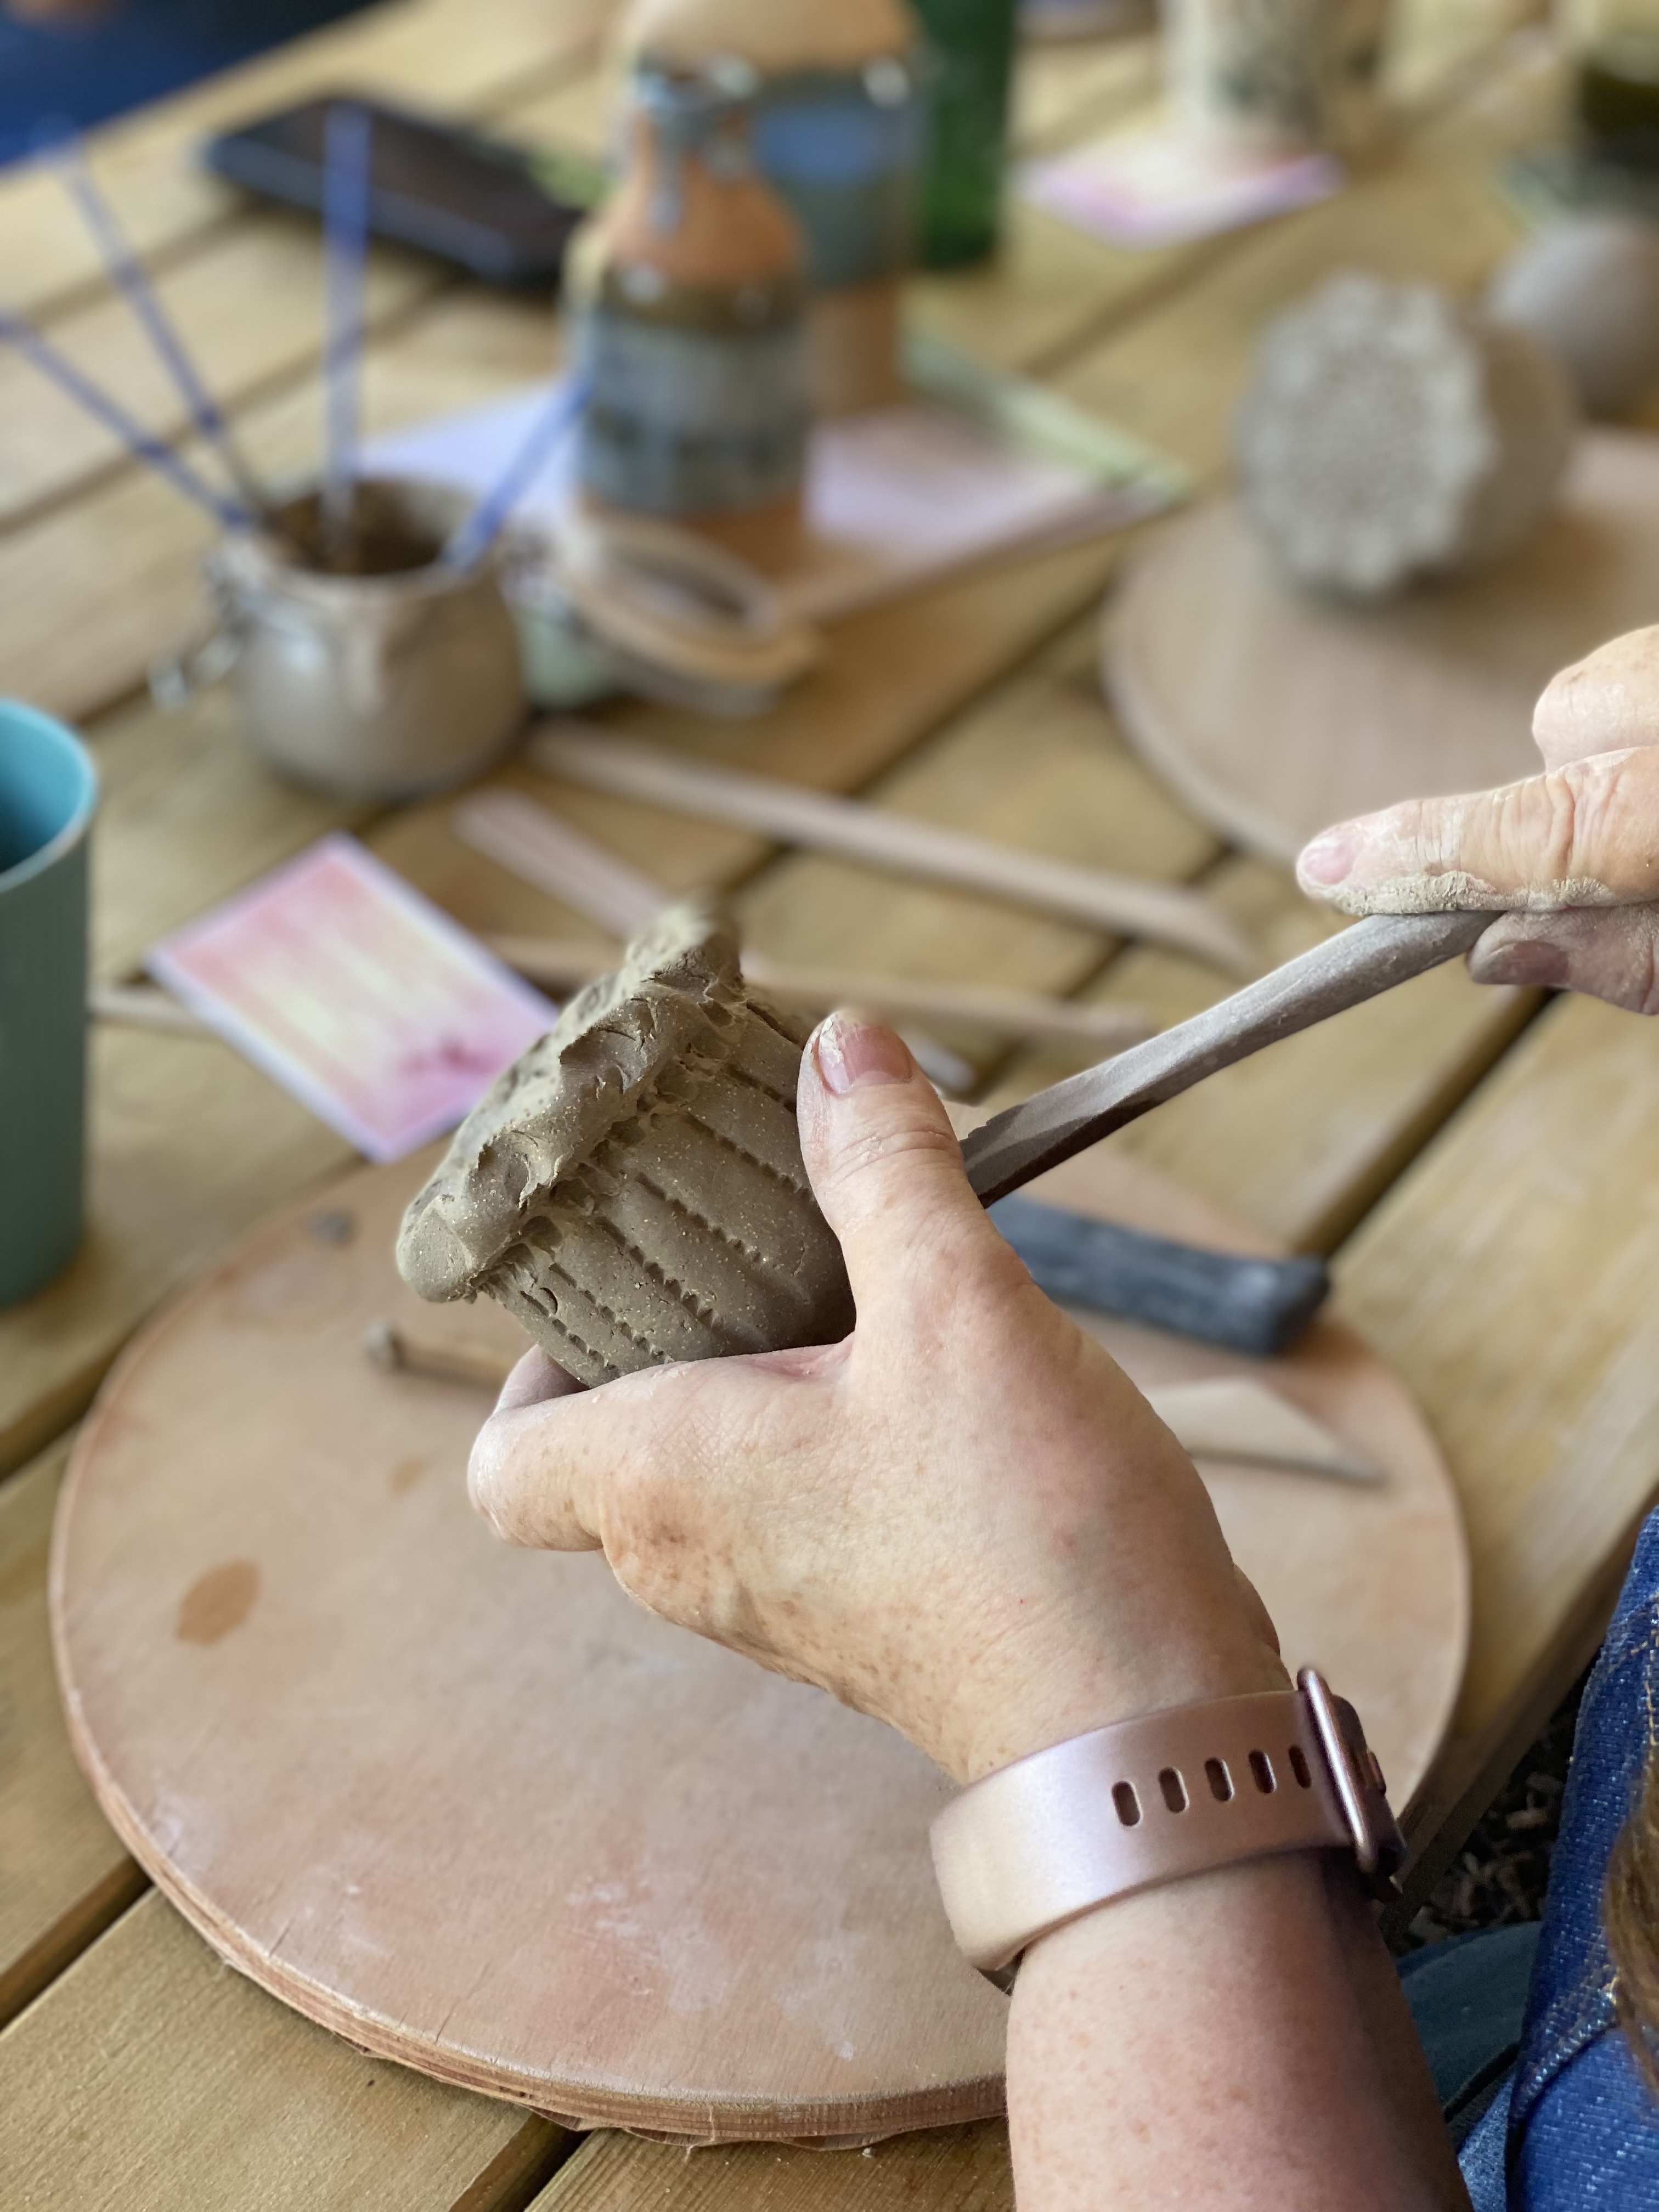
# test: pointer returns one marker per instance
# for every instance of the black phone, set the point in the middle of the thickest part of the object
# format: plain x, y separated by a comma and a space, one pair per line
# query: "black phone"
501, 213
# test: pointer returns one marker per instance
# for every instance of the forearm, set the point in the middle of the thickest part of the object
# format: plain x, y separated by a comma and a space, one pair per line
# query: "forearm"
1236, 2041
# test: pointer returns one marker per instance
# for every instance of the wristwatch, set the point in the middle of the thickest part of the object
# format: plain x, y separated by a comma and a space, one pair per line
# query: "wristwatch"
1153, 1800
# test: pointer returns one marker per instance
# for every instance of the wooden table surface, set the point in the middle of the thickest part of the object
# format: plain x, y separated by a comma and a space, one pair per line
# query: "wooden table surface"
1482, 1169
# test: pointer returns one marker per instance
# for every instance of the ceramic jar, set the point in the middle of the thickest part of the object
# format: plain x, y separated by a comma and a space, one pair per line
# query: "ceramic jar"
388, 683
688, 292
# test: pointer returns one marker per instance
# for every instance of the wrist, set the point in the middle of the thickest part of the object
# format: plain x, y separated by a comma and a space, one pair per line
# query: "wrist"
1041, 1706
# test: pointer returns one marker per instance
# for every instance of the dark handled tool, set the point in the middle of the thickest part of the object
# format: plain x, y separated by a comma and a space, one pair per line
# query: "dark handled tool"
1247, 1304
1358, 962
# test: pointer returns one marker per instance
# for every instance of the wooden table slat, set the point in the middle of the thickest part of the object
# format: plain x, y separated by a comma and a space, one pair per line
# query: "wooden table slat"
150, 2078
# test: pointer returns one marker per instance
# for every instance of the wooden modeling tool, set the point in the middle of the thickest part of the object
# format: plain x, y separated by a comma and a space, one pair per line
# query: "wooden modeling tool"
1230, 1417
1357, 963
1123, 906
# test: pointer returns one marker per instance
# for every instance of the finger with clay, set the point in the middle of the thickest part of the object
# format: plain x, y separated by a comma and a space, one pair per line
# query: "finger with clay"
1569, 858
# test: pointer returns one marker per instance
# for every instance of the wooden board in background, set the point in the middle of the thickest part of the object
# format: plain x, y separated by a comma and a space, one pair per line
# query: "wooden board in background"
476, 1810
1273, 713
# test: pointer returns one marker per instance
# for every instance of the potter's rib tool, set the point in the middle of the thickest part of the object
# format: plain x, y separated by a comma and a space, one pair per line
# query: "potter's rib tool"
1121, 905
126, 273
556, 964
1360, 962
19, 333
546, 434
349, 150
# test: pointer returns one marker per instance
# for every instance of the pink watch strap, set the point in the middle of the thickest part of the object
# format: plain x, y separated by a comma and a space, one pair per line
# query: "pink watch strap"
1153, 1800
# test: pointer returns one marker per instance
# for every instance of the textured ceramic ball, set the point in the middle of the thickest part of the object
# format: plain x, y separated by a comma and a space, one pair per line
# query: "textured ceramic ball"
1589, 289
1386, 435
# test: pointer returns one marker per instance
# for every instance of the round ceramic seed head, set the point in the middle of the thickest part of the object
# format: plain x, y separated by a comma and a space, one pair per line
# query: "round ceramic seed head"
632, 1188
1589, 289
1386, 435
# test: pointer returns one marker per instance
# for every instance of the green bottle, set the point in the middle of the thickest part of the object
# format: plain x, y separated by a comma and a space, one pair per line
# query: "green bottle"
972, 45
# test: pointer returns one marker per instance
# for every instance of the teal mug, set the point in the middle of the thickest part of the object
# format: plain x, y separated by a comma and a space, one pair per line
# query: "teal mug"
48, 791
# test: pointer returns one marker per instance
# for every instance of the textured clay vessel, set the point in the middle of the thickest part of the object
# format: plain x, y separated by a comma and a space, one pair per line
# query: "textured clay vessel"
631, 1190
1388, 435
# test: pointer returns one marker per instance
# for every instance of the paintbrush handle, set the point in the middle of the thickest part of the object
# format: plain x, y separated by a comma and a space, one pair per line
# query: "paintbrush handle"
1358, 962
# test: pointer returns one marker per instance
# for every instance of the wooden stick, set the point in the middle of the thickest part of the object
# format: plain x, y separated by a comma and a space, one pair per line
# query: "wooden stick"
559, 964
1121, 905
143, 1007
538, 846
1356, 963
394, 1349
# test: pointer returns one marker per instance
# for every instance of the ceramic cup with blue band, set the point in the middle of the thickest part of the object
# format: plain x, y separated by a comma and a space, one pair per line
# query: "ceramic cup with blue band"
48, 791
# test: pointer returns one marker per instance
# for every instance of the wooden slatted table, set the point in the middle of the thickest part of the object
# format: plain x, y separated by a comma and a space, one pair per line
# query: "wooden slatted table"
1483, 1170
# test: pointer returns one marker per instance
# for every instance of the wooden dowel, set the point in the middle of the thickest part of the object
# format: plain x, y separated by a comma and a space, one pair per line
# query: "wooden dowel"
143, 1006
560, 964
394, 1349
1122, 905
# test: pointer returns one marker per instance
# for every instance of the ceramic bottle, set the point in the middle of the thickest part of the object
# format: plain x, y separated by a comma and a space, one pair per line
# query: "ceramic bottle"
838, 130
688, 295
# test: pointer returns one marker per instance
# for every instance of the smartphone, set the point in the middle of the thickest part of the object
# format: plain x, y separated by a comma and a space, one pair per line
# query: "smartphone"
503, 213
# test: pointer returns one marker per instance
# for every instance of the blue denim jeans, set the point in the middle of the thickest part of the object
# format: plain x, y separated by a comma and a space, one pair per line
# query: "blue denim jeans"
1542, 2091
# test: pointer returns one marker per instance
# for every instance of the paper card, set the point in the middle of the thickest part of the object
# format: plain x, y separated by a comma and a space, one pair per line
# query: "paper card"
1158, 187
360, 997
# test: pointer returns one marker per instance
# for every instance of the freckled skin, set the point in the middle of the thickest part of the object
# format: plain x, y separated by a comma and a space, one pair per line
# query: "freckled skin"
1569, 858
966, 1521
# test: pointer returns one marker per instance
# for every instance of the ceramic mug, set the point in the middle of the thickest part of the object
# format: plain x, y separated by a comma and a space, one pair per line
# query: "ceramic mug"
389, 684
48, 791
1276, 77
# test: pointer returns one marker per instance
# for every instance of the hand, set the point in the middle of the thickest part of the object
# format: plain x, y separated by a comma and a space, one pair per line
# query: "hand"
964, 1519
1570, 858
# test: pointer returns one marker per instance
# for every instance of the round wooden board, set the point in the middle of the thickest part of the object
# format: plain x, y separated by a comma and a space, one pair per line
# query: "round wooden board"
476, 1811
1272, 713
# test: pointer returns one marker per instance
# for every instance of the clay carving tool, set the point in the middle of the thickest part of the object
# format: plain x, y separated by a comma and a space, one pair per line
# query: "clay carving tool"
1123, 906
349, 152
559, 964
1223, 1417
127, 274
546, 434
18, 332
542, 848
1245, 1303
1367, 958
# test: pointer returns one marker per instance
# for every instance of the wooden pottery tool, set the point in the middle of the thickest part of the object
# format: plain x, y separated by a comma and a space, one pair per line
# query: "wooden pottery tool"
474, 1809
1273, 713
1122, 905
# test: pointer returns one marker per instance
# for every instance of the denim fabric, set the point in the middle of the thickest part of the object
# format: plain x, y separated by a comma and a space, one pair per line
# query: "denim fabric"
1575, 2128
1468, 2000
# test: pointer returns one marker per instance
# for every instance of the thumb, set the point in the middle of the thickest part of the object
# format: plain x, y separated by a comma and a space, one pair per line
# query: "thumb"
1586, 834
886, 1167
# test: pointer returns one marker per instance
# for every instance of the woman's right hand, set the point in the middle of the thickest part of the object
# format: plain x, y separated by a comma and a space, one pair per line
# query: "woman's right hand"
1568, 860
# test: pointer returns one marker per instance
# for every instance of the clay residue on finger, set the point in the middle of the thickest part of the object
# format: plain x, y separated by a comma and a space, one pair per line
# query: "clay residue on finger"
1398, 867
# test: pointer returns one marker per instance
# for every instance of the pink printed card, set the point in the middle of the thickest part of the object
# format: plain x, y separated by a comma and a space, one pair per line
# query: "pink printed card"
1157, 187
356, 994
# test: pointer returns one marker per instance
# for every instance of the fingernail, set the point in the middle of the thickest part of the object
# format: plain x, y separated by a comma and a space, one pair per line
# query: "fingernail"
850, 1052
1329, 857
1529, 961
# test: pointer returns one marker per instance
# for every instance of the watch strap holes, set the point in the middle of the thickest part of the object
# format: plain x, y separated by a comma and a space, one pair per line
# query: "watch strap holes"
1220, 1782
1127, 1804
1262, 1769
1299, 1767
1174, 1788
